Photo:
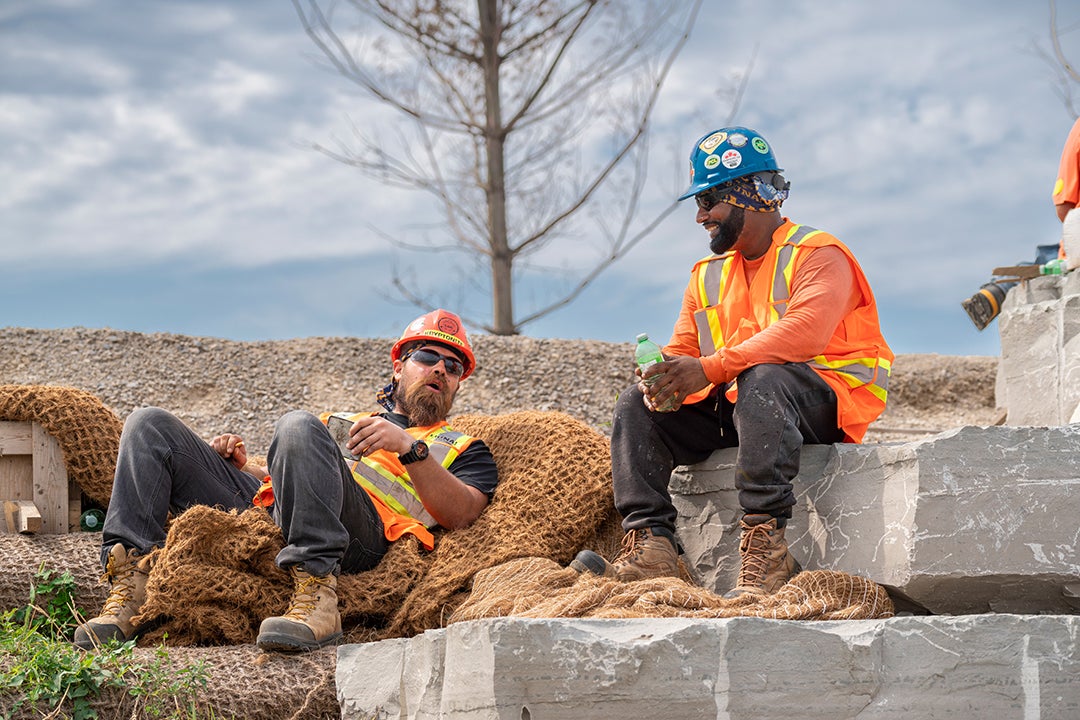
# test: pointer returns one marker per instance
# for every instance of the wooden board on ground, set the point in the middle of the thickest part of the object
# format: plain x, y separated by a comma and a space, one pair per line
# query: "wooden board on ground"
32, 470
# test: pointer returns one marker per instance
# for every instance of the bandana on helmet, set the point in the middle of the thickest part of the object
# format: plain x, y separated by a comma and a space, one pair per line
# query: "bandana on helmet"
753, 192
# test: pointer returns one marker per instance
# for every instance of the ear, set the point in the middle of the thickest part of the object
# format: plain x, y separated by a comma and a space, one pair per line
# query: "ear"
399, 366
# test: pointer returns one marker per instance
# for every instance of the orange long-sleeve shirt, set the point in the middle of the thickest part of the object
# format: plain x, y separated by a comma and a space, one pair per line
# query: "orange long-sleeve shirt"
823, 291
1067, 185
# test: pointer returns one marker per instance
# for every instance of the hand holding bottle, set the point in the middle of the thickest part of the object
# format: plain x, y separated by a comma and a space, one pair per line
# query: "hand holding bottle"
646, 354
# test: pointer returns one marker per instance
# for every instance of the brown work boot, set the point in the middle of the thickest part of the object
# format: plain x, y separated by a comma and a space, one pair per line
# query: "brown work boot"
312, 619
127, 572
646, 554
766, 562
593, 562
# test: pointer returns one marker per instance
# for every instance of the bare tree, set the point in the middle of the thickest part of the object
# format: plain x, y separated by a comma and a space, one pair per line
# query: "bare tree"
527, 120
1068, 79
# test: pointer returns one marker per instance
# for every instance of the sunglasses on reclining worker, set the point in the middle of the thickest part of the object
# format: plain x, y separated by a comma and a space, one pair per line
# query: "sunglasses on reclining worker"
430, 358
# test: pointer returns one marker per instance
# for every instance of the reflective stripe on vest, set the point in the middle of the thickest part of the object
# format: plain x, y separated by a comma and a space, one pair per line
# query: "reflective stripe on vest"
859, 373
383, 475
785, 264
870, 373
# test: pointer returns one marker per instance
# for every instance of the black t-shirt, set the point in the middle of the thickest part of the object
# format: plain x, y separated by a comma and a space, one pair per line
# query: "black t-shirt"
474, 467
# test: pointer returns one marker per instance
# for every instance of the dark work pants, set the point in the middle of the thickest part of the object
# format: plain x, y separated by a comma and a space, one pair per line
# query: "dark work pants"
779, 408
327, 520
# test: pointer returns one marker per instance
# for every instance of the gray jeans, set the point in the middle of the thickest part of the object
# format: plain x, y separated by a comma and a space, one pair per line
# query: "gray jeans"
327, 520
780, 408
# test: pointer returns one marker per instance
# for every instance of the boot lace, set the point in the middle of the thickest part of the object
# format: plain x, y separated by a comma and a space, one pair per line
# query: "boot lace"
306, 596
752, 547
122, 578
630, 547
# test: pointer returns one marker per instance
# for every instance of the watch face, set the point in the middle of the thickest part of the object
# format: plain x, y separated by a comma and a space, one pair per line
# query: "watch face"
420, 448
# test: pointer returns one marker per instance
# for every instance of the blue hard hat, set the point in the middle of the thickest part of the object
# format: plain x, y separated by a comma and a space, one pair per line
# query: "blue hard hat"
726, 154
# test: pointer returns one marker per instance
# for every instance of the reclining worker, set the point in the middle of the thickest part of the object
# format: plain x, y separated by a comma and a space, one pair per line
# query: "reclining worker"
777, 345
336, 514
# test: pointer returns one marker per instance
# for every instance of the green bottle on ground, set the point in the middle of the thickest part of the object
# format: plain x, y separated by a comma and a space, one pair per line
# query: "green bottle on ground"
91, 520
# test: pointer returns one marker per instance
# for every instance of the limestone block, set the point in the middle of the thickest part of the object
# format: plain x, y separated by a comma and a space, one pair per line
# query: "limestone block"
971, 520
990, 666
402, 678
1039, 373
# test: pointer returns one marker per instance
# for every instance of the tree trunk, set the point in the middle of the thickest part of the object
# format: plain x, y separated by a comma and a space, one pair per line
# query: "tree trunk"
502, 260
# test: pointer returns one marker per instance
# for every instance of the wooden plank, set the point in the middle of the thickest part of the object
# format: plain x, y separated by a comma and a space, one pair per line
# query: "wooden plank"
16, 477
15, 438
16, 461
50, 481
32, 469
75, 498
22, 516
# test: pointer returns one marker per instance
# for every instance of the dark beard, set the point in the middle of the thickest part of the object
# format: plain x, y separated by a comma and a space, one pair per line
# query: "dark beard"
727, 234
422, 407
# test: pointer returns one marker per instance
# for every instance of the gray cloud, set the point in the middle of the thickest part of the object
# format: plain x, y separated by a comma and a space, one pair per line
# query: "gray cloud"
145, 137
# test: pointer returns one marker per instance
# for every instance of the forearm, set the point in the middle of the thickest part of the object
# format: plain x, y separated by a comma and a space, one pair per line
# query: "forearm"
451, 502
256, 467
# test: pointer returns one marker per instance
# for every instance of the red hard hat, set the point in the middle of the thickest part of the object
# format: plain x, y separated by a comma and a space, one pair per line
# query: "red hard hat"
440, 326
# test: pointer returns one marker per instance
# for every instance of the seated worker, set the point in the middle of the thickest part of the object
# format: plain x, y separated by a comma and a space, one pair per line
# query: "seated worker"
778, 344
410, 472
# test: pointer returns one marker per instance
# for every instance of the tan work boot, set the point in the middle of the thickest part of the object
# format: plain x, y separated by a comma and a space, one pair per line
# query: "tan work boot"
312, 619
766, 562
127, 572
646, 554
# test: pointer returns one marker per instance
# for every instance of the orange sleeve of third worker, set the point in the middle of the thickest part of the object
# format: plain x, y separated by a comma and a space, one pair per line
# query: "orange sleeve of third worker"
823, 292
1067, 186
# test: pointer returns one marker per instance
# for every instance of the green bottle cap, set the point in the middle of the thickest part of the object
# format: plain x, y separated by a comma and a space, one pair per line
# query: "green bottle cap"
92, 520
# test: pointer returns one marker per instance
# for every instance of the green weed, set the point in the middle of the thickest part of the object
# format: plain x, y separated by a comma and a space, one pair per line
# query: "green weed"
41, 671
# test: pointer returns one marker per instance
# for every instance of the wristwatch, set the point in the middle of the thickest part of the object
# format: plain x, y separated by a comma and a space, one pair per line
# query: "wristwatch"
418, 452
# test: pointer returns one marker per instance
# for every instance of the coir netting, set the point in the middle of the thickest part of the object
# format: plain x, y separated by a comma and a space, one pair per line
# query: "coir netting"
88, 432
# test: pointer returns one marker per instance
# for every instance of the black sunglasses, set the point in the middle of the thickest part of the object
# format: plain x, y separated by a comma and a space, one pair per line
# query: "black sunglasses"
706, 199
430, 358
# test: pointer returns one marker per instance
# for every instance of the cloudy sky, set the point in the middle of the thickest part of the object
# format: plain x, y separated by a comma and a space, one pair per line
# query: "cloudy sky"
158, 176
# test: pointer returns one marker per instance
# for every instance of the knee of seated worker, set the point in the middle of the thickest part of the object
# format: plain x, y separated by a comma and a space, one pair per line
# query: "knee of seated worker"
150, 418
629, 402
760, 387
295, 428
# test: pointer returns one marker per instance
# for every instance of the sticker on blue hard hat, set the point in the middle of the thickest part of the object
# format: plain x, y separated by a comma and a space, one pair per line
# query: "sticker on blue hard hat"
731, 159
760, 145
737, 140
711, 162
712, 142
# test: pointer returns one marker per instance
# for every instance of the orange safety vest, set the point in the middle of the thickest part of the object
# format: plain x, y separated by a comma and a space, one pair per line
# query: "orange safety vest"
857, 361
387, 482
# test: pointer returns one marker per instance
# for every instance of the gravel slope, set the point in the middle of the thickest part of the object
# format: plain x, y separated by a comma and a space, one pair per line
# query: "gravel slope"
220, 385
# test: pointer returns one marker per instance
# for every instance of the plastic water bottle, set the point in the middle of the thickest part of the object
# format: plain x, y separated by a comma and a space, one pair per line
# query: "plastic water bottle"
91, 520
1054, 267
646, 354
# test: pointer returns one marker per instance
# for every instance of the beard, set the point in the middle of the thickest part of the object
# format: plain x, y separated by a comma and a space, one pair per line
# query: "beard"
422, 406
727, 232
